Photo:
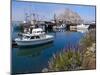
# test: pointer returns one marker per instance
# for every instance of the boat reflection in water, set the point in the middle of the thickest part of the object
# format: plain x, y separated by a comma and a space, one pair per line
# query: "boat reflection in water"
33, 51
82, 30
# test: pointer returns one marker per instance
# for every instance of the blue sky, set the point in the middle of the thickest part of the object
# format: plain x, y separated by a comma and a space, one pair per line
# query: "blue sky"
46, 10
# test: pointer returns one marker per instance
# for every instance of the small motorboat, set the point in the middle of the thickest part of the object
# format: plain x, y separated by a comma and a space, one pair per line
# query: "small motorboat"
38, 36
62, 26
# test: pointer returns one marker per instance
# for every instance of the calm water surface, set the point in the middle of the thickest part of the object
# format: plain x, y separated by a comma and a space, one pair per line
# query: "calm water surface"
34, 59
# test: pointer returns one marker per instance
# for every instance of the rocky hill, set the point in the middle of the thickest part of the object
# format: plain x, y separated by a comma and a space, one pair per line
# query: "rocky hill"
69, 16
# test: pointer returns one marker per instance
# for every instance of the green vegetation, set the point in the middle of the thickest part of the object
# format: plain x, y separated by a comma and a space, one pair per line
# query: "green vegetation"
88, 39
83, 58
69, 60
88, 50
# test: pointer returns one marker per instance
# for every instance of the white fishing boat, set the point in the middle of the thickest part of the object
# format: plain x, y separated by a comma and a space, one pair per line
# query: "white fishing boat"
38, 36
82, 26
62, 26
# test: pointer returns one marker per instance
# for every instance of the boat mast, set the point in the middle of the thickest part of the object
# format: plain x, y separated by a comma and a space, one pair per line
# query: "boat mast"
55, 20
26, 17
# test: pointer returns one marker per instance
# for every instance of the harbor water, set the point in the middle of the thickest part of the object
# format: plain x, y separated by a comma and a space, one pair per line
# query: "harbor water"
35, 59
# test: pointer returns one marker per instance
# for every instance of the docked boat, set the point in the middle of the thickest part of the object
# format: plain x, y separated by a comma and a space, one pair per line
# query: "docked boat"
82, 26
38, 36
62, 26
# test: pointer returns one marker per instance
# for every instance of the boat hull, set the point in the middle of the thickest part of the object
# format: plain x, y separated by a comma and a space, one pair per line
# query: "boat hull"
82, 27
31, 42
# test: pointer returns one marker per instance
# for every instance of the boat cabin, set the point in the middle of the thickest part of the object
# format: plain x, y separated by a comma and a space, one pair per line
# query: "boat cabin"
37, 33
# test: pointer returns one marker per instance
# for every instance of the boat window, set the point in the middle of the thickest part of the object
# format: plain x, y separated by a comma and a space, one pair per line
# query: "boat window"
32, 37
38, 31
26, 37
37, 37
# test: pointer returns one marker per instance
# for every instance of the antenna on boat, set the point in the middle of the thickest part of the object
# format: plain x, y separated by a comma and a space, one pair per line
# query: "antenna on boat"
26, 17
55, 20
